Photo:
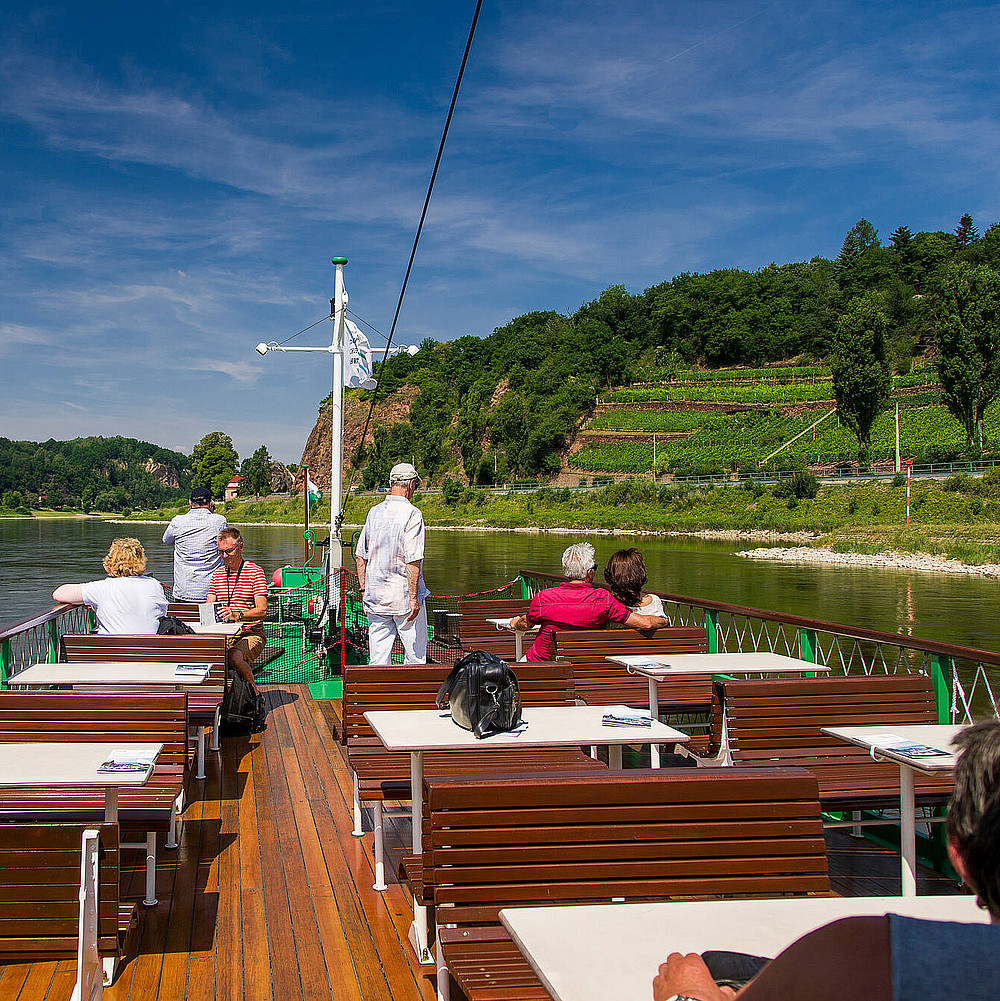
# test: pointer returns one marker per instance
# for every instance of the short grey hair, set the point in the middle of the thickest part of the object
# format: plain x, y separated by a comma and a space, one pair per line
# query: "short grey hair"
578, 560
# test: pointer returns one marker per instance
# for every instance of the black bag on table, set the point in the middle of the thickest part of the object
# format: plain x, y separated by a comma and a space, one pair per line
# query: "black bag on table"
482, 694
170, 625
243, 711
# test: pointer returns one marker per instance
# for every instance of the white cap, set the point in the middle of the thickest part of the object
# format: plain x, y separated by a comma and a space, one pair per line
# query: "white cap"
403, 472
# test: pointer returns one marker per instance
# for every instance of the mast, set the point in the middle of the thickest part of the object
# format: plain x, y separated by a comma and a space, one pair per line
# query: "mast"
337, 414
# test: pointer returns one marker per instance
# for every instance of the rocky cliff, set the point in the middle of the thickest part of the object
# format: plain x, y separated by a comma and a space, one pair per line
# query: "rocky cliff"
392, 410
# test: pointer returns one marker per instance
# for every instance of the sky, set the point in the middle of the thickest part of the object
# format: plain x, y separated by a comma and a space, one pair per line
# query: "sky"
176, 177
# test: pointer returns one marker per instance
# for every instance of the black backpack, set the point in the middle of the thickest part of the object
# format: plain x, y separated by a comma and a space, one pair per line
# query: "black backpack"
243, 711
482, 694
170, 625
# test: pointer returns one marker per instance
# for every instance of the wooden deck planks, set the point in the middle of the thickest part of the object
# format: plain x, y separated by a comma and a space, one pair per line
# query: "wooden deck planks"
269, 896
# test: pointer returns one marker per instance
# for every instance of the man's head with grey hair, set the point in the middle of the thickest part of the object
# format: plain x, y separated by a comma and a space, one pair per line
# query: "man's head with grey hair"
578, 561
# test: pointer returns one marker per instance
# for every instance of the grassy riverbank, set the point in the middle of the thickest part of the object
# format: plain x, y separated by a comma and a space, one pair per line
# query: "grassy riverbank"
958, 518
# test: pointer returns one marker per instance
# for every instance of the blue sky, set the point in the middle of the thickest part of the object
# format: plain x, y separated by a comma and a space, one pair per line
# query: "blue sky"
177, 176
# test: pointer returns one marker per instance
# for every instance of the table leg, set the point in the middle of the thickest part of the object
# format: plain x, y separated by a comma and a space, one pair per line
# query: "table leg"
418, 929
654, 714
615, 756
518, 644
908, 832
110, 804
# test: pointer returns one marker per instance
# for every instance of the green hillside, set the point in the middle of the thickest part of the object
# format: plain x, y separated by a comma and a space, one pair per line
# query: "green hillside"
737, 362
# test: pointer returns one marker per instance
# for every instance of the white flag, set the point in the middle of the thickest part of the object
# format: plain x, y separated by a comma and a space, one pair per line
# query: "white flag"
314, 491
357, 358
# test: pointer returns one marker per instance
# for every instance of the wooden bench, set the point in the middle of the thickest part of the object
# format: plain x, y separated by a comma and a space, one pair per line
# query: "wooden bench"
186, 611
519, 841
476, 633
380, 775
778, 722
146, 717
205, 700
599, 682
59, 886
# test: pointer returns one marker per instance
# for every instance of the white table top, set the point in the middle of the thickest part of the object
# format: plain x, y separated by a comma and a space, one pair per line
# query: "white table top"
505, 624
548, 726
602, 951
225, 628
658, 665
939, 736
69, 763
112, 672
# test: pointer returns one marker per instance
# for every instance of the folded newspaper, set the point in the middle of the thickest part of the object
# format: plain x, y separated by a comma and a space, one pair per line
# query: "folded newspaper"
903, 747
624, 716
191, 669
127, 759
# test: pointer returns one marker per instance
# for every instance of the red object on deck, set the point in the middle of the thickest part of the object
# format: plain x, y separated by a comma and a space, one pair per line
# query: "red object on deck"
276, 578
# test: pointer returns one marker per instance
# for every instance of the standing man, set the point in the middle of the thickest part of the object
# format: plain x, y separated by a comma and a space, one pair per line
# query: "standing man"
389, 558
196, 555
240, 588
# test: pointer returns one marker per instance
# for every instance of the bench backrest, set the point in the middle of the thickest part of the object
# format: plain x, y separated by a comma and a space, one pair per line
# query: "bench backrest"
53, 716
203, 648
415, 686
781, 719
186, 611
599, 682
511, 841
40, 889
475, 611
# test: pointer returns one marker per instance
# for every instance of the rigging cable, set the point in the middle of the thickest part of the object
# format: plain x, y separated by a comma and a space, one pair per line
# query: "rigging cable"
413, 249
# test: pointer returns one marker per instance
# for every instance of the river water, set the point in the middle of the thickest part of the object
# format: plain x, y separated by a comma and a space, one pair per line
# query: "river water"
36, 555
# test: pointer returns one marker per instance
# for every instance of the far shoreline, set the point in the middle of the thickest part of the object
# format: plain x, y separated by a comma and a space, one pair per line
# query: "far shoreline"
883, 560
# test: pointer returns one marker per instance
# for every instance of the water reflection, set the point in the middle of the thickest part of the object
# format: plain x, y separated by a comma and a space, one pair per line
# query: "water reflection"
37, 555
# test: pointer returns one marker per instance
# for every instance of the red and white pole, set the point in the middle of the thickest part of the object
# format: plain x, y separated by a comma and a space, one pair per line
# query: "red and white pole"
909, 465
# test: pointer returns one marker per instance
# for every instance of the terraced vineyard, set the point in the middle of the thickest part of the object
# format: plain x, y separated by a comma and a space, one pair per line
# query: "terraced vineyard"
719, 441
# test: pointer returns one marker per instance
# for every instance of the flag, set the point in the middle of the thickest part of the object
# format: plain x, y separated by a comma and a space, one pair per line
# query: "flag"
357, 358
314, 491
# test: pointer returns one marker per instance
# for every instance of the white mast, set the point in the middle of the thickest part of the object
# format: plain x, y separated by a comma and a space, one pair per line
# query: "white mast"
336, 350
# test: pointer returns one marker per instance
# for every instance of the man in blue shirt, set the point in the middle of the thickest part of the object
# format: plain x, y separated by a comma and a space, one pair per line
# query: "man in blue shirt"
194, 536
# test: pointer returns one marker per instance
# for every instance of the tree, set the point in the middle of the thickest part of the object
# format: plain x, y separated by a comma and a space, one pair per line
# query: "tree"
860, 365
13, 499
966, 234
256, 474
861, 237
968, 332
215, 462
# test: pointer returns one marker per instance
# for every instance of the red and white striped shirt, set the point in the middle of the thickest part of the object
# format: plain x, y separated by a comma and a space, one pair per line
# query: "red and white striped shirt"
239, 589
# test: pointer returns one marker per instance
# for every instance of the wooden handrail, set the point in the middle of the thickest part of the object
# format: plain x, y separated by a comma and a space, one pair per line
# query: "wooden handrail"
7, 632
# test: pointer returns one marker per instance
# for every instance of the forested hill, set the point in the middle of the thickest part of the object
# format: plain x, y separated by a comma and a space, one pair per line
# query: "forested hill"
506, 405
106, 474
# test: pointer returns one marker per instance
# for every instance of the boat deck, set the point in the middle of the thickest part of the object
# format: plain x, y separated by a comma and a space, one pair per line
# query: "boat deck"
270, 896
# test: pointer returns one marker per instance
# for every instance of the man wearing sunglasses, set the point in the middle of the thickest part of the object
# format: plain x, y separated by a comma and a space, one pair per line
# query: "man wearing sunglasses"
240, 589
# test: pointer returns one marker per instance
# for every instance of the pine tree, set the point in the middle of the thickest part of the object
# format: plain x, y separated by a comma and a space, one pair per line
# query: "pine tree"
860, 365
966, 234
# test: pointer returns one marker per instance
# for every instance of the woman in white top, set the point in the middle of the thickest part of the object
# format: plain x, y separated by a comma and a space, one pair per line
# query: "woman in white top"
626, 574
126, 601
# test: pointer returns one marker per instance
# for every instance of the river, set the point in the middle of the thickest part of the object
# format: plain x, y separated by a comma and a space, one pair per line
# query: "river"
36, 555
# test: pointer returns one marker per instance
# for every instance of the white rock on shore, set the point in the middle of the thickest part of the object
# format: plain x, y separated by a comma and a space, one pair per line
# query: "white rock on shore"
899, 561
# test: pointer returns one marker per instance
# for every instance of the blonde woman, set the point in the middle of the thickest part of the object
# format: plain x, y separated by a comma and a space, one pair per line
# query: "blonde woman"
126, 601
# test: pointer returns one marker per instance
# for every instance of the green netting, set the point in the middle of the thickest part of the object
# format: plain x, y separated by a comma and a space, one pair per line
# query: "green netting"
291, 655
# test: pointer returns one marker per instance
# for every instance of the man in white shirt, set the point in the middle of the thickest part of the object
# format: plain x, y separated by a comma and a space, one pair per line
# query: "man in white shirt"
196, 556
389, 557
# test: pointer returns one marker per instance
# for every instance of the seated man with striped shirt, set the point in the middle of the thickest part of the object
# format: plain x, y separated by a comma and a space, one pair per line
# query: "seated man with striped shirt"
240, 588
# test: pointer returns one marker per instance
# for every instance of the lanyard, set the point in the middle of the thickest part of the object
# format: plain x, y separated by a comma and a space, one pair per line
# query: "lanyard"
232, 591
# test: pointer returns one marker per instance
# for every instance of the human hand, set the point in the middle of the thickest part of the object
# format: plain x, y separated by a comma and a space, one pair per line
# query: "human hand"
414, 609
688, 975
229, 614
